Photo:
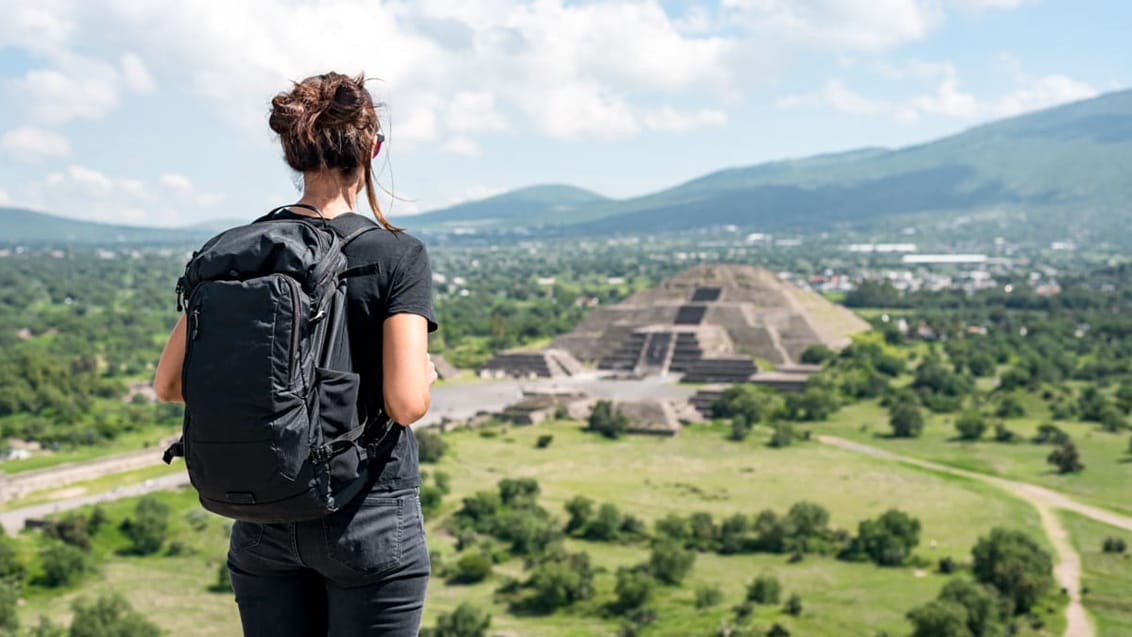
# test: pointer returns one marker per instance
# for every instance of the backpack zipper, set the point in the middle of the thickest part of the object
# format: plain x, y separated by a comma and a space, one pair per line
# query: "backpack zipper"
293, 285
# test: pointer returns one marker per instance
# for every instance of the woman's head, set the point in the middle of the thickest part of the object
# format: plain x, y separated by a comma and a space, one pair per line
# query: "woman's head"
328, 123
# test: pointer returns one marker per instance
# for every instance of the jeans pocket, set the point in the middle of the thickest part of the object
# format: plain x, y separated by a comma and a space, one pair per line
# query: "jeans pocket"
366, 536
245, 535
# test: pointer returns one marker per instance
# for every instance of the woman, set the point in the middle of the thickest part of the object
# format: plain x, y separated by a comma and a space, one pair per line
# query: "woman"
362, 570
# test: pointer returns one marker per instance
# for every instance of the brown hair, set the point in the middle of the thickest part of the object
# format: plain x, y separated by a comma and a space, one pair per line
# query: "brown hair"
329, 121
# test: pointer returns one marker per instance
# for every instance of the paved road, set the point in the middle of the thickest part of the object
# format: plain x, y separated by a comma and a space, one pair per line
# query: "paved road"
13, 521
1068, 567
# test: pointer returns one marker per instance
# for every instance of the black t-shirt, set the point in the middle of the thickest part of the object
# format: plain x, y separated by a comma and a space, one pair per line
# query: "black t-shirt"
390, 275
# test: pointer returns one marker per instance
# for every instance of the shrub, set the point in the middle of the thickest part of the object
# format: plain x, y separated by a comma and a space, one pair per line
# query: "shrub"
72, 529
431, 499
109, 615
887, 540
9, 602
817, 354
939, 619
64, 564
1015, 565
733, 534
740, 428
608, 421
559, 581
471, 568
670, 562
544, 441
1114, 545
793, 605
1066, 458
149, 526
430, 445
1010, 408
605, 526
970, 425
223, 579
708, 595
466, 621
764, 589
784, 435
947, 566
634, 588
580, 509
906, 419
518, 491
778, 630
11, 568
1003, 434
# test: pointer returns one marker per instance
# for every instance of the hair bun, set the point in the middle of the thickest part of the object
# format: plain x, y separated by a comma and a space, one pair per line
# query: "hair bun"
325, 121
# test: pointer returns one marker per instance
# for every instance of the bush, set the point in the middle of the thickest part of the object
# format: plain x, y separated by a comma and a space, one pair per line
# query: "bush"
431, 499
704, 533
605, 526
817, 354
905, 419
1050, 434
1010, 408
886, 541
634, 588
559, 581
72, 529
430, 445
1015, 565
939, 619
518, 491
1114, 545
544, 441
1066, 458
471, 568
793, 605
740, 428
608, 421
784, 435
109, 616
1002, 434
149, 526
580, 509
670, 562
708, 595
9, 602
947, 566
64, 564
223, 579
764, 589
970, 425
466, 621
778, 630
11, 568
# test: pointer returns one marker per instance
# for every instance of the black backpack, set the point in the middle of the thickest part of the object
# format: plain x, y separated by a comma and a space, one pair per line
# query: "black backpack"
272, 431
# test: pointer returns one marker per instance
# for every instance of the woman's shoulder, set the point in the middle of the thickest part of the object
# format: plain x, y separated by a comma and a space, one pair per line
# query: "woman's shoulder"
388, 245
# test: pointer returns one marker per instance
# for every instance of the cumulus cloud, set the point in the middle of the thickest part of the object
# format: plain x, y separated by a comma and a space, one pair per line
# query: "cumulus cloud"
5, 198
462, 147
670, 119
178, 183
31, 144
947, 99
869, 26
77, 87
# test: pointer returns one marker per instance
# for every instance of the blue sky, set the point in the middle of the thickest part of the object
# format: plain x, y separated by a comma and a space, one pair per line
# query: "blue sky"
154, 112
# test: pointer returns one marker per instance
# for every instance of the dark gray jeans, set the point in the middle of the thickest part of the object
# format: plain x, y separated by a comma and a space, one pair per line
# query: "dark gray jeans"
360, 571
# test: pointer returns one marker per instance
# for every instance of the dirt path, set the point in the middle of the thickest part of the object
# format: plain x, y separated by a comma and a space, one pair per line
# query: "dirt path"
1067, 571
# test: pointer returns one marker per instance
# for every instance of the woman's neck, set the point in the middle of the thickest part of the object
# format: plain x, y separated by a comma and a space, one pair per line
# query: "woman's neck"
330, 192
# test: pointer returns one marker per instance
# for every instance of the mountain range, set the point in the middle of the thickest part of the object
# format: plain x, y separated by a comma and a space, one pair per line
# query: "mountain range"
1060, 172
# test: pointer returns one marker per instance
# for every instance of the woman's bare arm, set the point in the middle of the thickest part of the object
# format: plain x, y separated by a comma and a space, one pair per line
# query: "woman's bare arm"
407, 371
167, 380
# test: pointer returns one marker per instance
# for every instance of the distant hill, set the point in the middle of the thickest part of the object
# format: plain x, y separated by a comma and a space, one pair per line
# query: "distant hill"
544, 202
1064, 170
18, 225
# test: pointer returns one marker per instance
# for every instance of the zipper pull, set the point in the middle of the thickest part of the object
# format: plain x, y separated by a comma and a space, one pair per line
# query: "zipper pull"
194, 323
180, 294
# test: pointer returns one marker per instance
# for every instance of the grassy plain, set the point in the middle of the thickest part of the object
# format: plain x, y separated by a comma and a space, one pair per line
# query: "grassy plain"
1107, 577
648, 477
1104, 482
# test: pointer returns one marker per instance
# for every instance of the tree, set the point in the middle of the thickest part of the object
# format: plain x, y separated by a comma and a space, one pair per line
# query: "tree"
63, 564
905, 419
764, 589
544, 441
471, 568
518, 492
71, 529
740, 428
939, 618
985, 611
9, 601
670, 562
608, 421
793, 605
1015, 565
733, 534
784, 435
580, 509
466, 621
431, 446
1114, 545
634, 588
704, 532
605, 525
970, 425
149, 526
817, 354
109, 616
11, 568
887, 540
560, 580
708, 595
1066, 458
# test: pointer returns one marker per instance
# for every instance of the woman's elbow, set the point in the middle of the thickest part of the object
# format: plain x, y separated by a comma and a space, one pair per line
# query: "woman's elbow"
407, 410
168, 391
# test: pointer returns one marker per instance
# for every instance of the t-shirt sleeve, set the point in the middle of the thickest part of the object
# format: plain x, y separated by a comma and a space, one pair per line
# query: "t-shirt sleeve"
410, 286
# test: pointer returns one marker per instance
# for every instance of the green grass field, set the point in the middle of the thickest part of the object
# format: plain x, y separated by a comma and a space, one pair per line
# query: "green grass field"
1104, 482
1107, 577
649, 477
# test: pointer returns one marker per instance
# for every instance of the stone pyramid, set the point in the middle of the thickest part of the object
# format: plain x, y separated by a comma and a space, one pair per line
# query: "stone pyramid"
719, 313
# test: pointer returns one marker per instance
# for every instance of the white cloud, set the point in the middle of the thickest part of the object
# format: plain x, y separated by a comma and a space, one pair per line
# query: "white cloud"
136, 76
978, 5
1049, 90
77, 87
462, 147
474, 111
45, 27
5, 198
868, 26
947, 99
178, 183
32, 144
670, 119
